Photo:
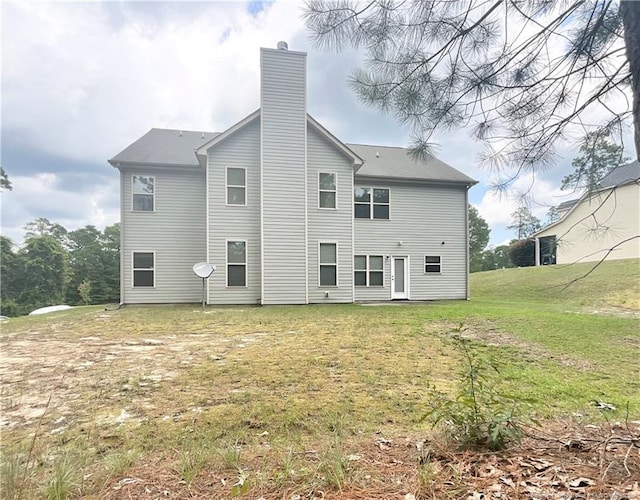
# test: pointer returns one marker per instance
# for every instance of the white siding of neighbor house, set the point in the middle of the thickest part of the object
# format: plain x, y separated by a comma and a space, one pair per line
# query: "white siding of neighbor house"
284, 183
422, 218
595, 225
328, 225
234, 223
175, 231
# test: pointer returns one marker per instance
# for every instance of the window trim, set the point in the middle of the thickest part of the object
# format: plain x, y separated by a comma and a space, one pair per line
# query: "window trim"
439, 264
367, 270
334, 191
333, 264
371, 203
134, 269
133, 193
227, 186
246, 265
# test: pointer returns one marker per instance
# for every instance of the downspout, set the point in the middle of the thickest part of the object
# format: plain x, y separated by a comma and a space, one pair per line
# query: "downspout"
206, 221
306, 197
261, 299
466, 248
122, 181
353, 237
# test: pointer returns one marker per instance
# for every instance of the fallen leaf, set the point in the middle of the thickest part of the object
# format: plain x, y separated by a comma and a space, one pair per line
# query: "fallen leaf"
581, 482
125, 481
384, 444
508, 481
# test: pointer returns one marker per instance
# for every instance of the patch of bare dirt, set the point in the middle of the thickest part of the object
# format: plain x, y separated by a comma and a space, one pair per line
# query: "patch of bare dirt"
488, 334
620, 312
35, 367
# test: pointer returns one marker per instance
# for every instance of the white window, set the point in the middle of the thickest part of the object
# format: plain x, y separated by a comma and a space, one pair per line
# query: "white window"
143, 190
326, 190
144, 272
432, 264
371, 203
328, 264
236, 186
236, 263
368, 270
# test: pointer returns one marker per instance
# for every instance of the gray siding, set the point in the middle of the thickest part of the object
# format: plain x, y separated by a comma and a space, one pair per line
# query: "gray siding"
283, 168
421, 217
327, 225
175, 231
228, 222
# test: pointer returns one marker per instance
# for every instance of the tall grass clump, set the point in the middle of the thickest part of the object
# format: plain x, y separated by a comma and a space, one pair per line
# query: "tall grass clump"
66, 478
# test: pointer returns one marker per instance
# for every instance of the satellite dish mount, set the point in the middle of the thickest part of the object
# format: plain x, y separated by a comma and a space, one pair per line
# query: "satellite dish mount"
203, 270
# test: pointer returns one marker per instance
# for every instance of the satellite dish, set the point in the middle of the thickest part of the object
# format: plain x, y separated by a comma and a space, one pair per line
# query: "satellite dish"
203, 269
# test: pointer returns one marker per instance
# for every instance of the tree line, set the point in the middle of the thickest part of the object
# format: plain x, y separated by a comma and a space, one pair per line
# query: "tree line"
57, 266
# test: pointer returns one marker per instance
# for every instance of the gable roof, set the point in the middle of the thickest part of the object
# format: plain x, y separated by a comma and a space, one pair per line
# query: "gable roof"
346, 150
161, 146
183, 148
566, 205
619, 176
396, 163
203, 148
623, 174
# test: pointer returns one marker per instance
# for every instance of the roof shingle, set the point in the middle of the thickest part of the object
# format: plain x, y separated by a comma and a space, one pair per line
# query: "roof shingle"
622, 175
176, 147
162, 146
396, 163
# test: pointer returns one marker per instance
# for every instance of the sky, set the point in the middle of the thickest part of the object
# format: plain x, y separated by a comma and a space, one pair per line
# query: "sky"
83, 80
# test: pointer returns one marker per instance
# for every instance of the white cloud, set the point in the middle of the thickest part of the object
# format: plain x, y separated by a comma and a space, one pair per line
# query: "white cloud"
538, 194
44, 194
82, 80
84, 90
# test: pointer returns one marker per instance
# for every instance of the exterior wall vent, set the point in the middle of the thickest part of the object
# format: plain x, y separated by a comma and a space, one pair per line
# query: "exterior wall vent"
282, 46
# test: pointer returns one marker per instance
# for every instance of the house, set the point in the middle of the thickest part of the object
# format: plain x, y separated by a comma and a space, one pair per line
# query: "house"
287, 212
601, 223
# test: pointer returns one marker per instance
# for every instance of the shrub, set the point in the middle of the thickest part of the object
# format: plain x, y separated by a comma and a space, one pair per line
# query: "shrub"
523, 253
479, 416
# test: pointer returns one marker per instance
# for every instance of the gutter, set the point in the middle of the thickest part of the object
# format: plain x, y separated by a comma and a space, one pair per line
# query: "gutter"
120, 164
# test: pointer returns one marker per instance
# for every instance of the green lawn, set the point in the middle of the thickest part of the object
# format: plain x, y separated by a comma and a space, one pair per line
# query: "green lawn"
282, 395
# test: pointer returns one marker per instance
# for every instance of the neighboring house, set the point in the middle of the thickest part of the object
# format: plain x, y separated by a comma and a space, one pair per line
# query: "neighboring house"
287, 212
603, 223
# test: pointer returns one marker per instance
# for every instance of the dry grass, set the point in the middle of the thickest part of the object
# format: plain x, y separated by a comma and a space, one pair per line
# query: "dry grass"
286, 402
128, 384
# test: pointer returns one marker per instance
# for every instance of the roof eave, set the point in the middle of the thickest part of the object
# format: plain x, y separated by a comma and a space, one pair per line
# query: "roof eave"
582, 199
420, 180
120, 164
356, 161
202, 150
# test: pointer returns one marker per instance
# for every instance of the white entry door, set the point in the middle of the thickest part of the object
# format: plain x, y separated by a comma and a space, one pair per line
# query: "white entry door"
399, 278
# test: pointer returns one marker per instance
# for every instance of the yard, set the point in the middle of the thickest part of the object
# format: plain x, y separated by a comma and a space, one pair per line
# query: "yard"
325, 401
